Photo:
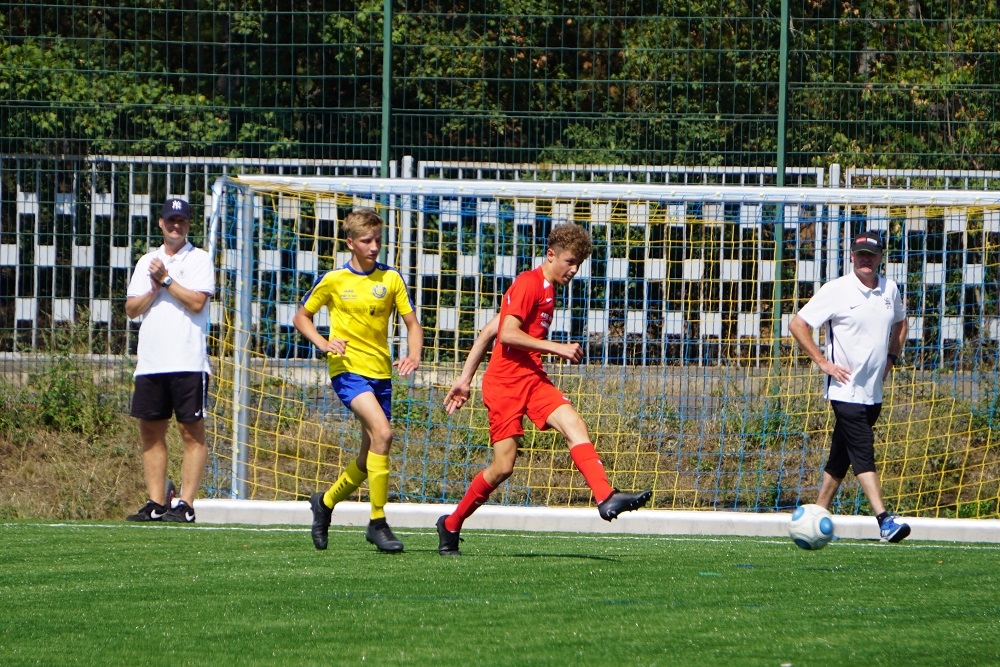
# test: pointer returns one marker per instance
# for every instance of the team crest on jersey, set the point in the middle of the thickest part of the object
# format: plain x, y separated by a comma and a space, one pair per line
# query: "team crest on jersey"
379, 291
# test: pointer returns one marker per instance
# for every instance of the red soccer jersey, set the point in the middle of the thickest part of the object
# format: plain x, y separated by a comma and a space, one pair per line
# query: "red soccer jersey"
531, 299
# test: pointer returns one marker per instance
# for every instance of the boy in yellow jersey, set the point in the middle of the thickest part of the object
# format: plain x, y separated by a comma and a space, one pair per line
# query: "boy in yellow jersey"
362, 296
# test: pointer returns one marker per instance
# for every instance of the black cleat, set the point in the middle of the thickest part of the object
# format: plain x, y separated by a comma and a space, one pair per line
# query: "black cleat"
321, 520
381, 536
620, 501
183, 513
150, 512
447, 540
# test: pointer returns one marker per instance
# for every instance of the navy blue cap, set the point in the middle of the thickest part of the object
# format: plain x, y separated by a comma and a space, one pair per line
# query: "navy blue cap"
867, 242
173, 207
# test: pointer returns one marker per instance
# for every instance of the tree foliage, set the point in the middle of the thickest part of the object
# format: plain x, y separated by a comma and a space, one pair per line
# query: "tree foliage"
893, 84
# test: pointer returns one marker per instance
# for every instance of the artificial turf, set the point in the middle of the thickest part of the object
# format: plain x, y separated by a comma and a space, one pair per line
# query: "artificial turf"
127, 594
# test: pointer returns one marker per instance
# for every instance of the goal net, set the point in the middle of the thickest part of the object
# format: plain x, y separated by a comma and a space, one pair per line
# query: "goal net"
691, 384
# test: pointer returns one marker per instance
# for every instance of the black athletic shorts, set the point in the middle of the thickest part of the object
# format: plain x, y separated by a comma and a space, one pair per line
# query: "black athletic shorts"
853, 441
160, 395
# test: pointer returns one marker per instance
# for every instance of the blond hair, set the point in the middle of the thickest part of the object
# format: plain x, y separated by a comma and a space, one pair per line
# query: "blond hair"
572, 237
361, 220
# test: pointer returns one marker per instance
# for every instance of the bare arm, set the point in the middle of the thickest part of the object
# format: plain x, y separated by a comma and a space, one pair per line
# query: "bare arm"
511, 334
188, 298
897, 338
461, 389
137, 305
802, 333
303, 321
414, 343
191, 300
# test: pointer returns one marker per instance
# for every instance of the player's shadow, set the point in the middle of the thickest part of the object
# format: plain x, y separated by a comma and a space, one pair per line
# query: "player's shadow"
577, 556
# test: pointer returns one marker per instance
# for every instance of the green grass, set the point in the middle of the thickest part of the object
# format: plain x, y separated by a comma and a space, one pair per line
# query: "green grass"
124, 594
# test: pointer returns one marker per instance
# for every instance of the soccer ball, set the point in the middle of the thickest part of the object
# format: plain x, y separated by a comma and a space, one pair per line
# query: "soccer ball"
811, 527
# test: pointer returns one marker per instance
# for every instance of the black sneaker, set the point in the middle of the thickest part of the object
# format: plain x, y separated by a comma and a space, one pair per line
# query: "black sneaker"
381, 536
321, 520
150, 512
620, 501
447, 540
183, 513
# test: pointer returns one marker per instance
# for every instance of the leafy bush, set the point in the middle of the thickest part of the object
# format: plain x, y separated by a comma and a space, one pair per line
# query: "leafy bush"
67, 397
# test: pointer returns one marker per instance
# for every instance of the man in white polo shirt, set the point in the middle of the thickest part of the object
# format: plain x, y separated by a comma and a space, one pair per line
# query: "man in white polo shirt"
169, 290
865, 331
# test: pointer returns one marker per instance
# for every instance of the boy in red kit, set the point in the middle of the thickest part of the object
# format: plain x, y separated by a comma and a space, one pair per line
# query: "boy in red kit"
515, 385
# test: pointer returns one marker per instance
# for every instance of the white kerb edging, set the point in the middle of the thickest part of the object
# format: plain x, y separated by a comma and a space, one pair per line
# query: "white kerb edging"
586, 520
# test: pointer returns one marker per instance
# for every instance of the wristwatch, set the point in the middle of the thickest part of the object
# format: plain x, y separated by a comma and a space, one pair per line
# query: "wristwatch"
167, 282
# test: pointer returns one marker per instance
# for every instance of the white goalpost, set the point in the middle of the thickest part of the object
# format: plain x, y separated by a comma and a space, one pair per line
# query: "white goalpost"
690, 381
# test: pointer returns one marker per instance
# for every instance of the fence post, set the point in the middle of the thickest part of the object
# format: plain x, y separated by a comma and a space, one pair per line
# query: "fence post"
779, 223
241, 343
386, 84
833, 253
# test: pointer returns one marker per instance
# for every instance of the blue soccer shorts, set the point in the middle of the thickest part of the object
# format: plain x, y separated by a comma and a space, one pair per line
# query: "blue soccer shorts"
349, 386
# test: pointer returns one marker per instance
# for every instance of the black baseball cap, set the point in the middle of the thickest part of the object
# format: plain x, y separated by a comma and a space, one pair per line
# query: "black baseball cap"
174, 207
867, 242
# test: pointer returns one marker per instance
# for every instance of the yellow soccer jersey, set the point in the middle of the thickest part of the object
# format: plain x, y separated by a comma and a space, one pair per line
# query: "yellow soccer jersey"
361, 308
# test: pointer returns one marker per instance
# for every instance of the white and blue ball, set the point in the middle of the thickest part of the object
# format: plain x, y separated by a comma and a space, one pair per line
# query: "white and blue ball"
811, 527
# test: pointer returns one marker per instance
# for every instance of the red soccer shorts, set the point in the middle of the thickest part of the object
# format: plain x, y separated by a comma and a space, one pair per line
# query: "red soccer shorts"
508, 401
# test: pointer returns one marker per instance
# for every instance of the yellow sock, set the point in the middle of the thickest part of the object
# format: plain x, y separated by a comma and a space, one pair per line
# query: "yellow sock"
378, 483
346, 484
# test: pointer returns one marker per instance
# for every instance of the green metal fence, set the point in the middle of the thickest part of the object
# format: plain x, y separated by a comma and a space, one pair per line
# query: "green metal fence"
869, 84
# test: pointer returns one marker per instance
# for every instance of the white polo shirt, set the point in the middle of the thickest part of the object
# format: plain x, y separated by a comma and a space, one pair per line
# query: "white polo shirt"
171, 338
858, 322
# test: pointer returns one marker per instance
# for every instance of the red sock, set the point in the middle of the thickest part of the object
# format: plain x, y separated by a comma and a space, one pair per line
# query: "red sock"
589, 463
478, 492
